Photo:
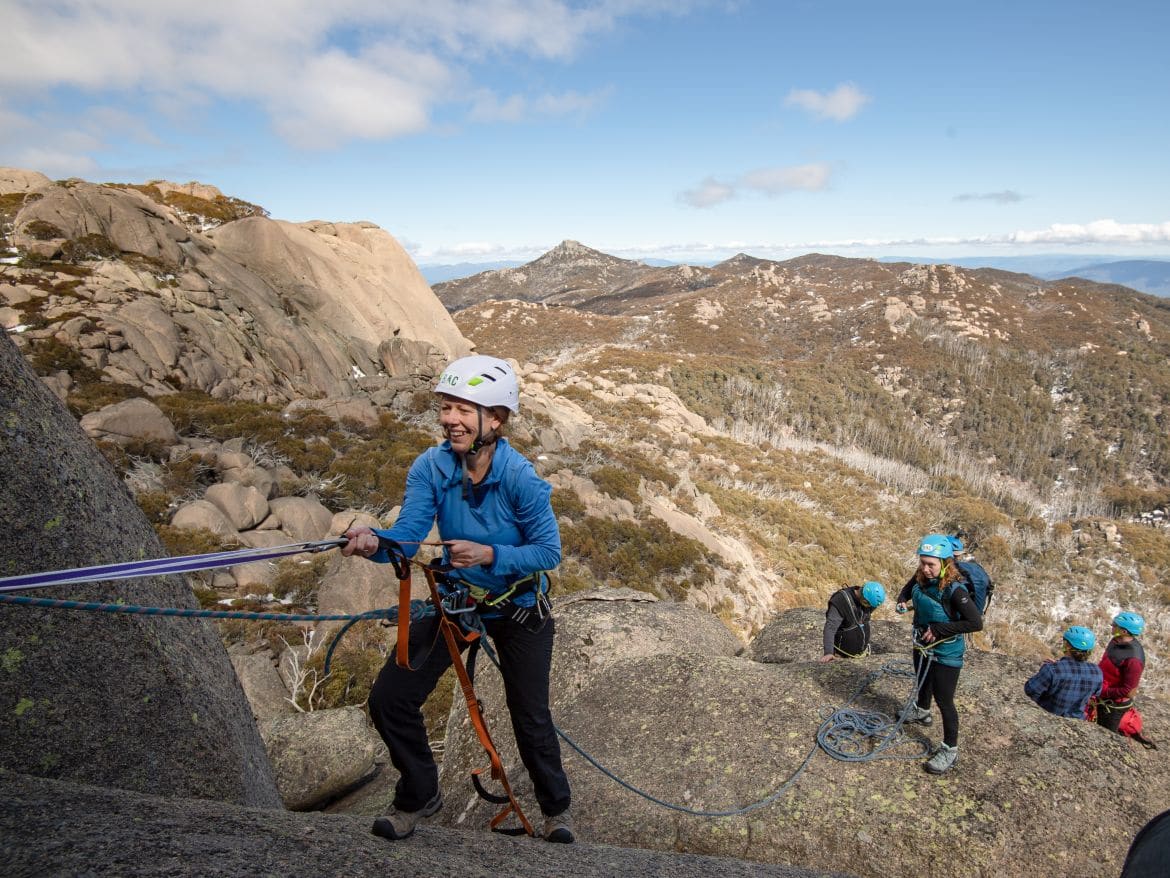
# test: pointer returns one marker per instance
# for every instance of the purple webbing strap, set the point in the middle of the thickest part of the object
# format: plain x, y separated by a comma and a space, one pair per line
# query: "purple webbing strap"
161, 566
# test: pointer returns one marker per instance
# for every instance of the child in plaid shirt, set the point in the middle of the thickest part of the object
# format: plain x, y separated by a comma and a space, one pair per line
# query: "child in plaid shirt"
1065, 686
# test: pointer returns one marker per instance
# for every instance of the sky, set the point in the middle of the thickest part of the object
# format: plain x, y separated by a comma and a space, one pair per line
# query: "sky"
669, 129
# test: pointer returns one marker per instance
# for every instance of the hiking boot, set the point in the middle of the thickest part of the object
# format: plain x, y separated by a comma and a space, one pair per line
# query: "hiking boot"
559, 828
396, 824
942, 760
917, 714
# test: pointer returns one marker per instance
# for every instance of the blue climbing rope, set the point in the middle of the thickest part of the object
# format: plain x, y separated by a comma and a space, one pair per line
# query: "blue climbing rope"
418, 610
852, 735
838, 736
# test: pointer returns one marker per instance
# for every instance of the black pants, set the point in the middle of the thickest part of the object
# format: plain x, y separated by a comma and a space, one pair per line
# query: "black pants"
1110, 715
397, 697
940, 684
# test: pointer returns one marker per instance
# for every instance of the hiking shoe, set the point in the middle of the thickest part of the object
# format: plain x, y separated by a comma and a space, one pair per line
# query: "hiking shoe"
396, 824
917, 714
942, 760
559, 828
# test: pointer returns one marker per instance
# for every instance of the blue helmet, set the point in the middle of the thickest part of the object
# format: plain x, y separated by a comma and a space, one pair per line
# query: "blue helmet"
873, 593
1131, 622
956, 545
1080, 638
936, 546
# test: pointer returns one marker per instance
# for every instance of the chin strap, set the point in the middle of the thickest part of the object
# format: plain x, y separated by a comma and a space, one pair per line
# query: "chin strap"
480, 442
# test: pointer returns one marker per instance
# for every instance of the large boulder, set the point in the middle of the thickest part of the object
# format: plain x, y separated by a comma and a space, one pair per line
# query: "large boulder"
712, 731
360, 411
204, 515
132, 419
317, 756
355, 279
266, 692
795, 636
144, 703
244, 505
14, 180
303, 518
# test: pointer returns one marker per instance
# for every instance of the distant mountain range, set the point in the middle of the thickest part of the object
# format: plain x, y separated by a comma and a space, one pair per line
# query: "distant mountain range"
439, 272
1145, 275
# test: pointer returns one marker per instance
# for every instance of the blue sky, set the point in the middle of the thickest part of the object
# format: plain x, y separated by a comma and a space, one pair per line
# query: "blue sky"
679, 130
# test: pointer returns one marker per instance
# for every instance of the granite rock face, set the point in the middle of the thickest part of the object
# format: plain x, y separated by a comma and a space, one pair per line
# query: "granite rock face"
137, 702
251, 308
54, 828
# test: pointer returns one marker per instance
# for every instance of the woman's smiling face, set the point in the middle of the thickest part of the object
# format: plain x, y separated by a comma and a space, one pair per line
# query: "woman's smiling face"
460, 421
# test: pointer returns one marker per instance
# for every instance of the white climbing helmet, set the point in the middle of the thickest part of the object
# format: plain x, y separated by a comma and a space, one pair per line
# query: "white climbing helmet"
483, 380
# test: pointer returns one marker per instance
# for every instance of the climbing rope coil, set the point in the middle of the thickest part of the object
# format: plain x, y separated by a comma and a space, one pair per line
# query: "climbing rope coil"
845, 733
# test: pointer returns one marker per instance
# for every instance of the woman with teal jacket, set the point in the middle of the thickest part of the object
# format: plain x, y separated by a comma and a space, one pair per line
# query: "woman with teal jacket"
943, 612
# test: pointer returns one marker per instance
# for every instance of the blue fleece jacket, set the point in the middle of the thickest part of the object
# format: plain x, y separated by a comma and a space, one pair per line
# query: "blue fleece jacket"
509, 510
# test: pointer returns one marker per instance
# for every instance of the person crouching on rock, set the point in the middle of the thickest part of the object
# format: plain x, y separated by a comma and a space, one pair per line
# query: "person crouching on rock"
1122, 667
499, 532
847, 631
1065, 686
943, 612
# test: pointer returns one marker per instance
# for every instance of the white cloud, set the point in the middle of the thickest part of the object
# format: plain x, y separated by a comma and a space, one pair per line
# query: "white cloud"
843, 102
339, 97
55, 164
1007, 196
1103, 231
708, 193
777, 181
487, 106
772, 182
56, 146
323, 72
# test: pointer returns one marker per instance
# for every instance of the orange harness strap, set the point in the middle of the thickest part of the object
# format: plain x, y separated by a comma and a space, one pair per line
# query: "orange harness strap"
456, 638
402, 655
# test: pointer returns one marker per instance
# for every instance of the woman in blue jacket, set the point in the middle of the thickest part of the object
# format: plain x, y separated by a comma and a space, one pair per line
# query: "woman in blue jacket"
499, 532
943, 612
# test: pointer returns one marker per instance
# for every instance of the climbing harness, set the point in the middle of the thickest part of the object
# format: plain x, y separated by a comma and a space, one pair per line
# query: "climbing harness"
461, 627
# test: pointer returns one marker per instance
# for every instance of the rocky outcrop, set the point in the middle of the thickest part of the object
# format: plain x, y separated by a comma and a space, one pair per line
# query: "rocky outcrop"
13, 180
253, 308
54, 828
139, 702
128, 220
131, 419
341, 273
669, 711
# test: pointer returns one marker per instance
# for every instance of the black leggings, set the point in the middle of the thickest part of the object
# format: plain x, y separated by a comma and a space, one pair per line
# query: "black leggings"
940, 684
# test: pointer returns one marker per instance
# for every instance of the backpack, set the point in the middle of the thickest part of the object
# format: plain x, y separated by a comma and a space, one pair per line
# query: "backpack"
978, 583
